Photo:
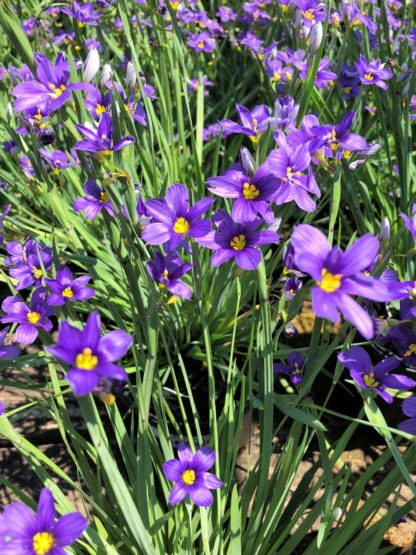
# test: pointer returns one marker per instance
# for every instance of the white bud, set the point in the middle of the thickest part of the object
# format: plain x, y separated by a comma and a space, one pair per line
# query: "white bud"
130, 75
105, 74
385, 230
315, 37
91, 66
9, 110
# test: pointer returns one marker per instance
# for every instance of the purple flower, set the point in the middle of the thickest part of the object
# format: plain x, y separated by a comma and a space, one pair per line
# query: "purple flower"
58, 160
225, 14
410, 222
339, 275
285, 112
167, 271
323, 77
29, 318
97, 103
349, 81
202, 42
375, 378
409, 409
24, 533
293, 368
89, 356
277, 72
336, 140
237, 240
404, 341
252, 193
99, 141
173, 220
373, 73
295, 179
253, 124
191, 476
83, 13
311, 11
195, 83
51, 89
356, 17
7, 351
292, 286
30, 271
95, 201
67, 289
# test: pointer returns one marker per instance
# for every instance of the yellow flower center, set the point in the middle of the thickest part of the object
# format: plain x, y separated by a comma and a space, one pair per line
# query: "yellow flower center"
188, 477
57, 91
67, 292
411, 350
201, 44
86, 360
103, 198
277, 76
309, 14
165, 273
181, 226
330, 282
238, 242
250, 192
100, 109
347, 154
369, 76
174, 5
43, 543
37, 272
289, 173
347, 90
369, 380
33, 317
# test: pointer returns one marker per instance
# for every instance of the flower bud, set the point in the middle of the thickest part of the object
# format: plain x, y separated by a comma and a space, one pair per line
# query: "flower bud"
385, 230
130, 75
91, 66
105, 74
247, 161
315, 36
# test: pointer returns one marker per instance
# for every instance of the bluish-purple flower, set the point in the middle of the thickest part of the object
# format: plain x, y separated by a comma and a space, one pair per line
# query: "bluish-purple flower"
173, 220
253, 123
29, 318
99, 142
410, 222
202, 42
373, 73
293, 368
7, 351
67, 289
58, 159
338, 275
237, 240
404, 340
409, 409
191, 476
252, 194
89, 356
295, 179
51, 89
95, 200
375, 378
167, 271
30, 272
84, 13
24, 533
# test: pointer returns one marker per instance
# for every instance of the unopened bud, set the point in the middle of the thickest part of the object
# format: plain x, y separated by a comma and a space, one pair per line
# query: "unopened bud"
130, 75
247, 161
105, 74
315, 37
91, 66
385, 230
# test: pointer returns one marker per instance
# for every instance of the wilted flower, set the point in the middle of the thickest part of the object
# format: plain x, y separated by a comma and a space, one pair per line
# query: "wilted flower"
375, 378
89, 356
67, 289
24, 533
191, 476
404, 341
